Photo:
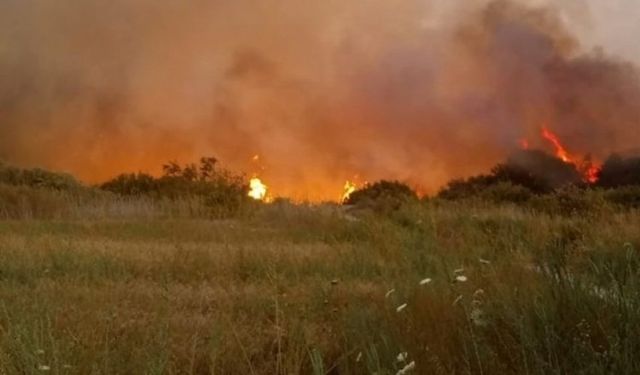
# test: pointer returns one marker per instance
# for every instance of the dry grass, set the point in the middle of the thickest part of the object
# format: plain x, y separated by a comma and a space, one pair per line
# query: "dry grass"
145, 288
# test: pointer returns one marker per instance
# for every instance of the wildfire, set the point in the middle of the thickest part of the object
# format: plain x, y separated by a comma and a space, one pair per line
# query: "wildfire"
585, 166
349, 188
257, 189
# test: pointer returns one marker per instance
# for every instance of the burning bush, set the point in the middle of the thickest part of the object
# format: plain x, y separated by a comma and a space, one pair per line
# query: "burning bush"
545, 172
526, 173
382, 196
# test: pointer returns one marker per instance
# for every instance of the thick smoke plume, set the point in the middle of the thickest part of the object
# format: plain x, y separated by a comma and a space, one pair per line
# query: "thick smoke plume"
321, 90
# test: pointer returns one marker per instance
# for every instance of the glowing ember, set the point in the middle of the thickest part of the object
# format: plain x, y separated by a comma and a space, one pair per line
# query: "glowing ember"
591, 174
257, 189
524, 144
349, 188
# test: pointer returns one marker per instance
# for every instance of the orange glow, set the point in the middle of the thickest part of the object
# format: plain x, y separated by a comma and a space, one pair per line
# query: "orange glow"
524, 144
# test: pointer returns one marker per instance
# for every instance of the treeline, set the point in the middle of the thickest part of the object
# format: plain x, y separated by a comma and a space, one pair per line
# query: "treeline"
36, 192
531, 179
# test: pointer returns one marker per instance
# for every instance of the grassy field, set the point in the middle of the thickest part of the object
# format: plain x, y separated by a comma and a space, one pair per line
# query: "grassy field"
434, 288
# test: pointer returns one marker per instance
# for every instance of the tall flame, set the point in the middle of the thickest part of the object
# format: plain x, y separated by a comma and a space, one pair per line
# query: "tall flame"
257, 189
561, 152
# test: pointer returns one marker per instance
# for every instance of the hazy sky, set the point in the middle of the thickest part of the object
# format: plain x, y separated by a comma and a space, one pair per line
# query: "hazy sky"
613, 24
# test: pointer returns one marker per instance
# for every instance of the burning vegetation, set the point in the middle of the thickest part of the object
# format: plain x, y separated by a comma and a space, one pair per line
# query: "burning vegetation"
388, 102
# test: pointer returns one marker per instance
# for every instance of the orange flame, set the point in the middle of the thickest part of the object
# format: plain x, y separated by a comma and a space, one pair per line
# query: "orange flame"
561, 152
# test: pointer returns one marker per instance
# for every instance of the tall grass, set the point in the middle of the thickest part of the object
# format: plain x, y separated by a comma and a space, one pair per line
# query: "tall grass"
103, 284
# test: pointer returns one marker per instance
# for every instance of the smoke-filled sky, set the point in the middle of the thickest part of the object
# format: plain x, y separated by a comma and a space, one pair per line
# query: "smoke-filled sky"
415, 90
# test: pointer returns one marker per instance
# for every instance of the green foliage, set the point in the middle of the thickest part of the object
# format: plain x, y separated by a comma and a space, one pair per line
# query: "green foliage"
382, 196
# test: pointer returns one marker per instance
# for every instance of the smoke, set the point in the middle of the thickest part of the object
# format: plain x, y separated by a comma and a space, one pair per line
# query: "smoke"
321, 90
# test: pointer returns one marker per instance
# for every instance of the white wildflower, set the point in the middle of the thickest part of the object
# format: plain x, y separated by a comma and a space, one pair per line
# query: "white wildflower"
461, 278
405, 370
477, 317
389, 293
457, 300
44, 368
402, 357
401, 307
425, 281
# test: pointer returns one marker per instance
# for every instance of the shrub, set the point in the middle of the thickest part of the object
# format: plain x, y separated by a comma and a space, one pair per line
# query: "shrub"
546, 172
132, 184
37, 178
505, 178
223, 192
506, 192
617, 171
382, 196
